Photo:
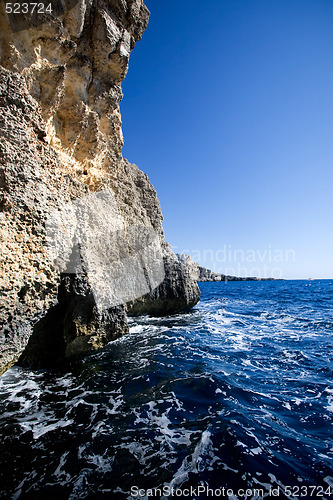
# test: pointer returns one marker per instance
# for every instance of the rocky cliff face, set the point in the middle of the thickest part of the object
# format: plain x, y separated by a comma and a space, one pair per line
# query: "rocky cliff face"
200, 273
61, 140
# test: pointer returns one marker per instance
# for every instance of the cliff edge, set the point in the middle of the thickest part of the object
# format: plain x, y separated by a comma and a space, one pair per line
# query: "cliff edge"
60, 154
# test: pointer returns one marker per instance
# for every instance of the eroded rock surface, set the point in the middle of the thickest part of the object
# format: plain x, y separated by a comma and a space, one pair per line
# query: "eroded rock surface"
61, 139
177, 292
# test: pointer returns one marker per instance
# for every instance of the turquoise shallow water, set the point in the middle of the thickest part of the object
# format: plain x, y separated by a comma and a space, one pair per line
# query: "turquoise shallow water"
236, 394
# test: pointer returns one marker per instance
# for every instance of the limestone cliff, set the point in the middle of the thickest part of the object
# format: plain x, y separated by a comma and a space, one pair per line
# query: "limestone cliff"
61, 139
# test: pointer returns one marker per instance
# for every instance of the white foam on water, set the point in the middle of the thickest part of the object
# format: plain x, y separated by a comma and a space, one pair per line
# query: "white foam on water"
329, 407
173, 399
193, 463
62, 476
101, 428
329, 481
239, 443
116, 403
256, 451
38, 429
163, 422
137, 329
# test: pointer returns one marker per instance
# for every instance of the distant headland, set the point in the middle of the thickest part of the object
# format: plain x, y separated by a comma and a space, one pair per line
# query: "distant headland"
201, 274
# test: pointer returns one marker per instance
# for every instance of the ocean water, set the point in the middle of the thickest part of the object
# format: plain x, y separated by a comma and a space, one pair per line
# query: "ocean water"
231, 400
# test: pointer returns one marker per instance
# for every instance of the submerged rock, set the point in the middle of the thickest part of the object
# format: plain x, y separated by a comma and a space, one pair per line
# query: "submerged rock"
60, 141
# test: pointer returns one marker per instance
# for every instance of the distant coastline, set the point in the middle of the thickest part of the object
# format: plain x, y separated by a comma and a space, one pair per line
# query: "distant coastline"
203, 274
208, 275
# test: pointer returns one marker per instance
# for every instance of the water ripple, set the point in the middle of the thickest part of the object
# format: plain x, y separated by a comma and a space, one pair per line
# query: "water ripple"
237, 393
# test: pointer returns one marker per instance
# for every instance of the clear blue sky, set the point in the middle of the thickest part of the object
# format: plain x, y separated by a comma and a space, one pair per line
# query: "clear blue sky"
228, 108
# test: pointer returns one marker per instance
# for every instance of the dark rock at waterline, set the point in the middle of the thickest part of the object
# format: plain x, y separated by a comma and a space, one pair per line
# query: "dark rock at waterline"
177, 292
73, 327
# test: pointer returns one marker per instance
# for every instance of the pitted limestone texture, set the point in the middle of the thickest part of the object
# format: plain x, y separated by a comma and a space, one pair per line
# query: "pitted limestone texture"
60, 145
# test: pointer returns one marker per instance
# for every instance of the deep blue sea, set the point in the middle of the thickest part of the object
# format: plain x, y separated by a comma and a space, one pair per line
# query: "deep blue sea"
231, 400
